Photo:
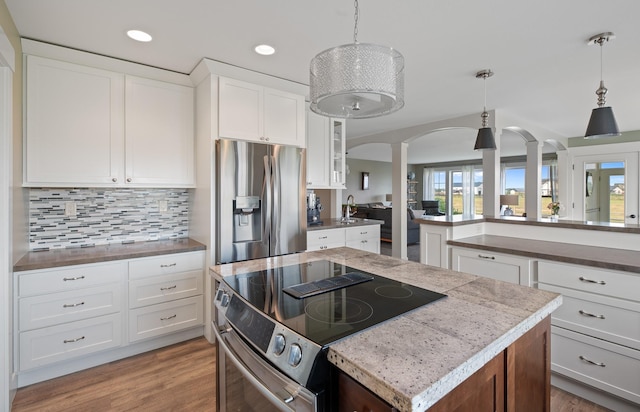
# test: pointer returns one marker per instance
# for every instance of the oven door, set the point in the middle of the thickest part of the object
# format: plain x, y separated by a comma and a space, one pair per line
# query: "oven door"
246, 382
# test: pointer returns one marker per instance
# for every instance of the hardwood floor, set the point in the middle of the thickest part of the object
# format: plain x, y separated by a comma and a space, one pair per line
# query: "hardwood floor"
180, 377
176, 378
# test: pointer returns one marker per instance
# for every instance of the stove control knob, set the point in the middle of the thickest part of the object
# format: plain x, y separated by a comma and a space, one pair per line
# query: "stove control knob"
295, 355
224, 301
279, 342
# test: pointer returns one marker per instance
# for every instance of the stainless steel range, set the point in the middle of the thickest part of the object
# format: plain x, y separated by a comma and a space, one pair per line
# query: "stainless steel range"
275, 327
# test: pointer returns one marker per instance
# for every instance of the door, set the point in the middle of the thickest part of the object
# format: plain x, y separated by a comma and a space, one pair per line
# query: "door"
244, 198
605, 188
289, 219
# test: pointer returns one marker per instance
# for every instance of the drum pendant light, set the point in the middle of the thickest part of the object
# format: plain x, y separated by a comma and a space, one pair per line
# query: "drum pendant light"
485, 139
357, 81
603, 122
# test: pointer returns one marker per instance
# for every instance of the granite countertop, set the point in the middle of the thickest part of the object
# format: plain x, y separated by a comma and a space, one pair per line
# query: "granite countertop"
458, 220
596, 256
413, 360
79, 256
336, 223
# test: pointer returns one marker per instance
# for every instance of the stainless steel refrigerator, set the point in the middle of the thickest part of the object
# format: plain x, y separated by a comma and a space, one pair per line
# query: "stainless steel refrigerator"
261, 207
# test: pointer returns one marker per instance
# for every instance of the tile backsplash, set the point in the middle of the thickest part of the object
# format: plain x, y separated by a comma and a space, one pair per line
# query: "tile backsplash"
105, 215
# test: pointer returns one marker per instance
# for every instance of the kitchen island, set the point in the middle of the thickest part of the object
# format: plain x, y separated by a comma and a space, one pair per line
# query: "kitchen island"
482, 338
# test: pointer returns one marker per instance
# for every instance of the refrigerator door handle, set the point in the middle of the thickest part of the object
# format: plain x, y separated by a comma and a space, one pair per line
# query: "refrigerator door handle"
266, 194
275, 234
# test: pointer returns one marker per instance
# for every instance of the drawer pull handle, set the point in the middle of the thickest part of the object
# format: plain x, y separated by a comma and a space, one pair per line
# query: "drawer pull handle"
170, 265
75, 278
73, 340
599, 282
591, 315
582, 358
169, 287
487, 257
322, 237
363, 233
169, 317
72, 305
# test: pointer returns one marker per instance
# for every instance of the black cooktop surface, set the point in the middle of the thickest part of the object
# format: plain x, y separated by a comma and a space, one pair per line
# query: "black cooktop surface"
328, 316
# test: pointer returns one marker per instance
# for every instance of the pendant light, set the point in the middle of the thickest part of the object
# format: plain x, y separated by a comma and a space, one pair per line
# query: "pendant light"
357, 81
603, 122
485, 139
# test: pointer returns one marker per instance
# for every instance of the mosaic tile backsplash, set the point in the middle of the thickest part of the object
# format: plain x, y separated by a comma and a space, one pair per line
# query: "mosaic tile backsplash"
105, 215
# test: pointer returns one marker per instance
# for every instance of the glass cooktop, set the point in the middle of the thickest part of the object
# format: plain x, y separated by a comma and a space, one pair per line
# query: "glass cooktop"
329, 316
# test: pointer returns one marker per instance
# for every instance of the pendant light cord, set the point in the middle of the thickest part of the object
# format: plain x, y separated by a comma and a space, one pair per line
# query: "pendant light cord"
355, 18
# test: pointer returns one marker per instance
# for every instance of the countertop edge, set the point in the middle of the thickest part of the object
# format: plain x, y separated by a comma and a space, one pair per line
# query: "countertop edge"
99, 254
337, 224
596, 261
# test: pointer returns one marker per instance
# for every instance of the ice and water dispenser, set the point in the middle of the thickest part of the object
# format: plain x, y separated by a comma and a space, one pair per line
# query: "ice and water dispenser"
247, 219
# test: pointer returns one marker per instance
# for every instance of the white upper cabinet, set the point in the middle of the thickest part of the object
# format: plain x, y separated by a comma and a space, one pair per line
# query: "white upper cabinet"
251, 112
159, 133
74, 124
88, 127
325, 152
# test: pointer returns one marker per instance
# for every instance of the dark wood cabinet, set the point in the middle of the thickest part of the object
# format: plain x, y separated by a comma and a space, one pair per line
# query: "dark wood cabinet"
518, 379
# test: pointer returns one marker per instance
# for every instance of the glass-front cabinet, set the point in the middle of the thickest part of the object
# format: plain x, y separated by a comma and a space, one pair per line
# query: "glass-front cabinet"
325, 152
338, 151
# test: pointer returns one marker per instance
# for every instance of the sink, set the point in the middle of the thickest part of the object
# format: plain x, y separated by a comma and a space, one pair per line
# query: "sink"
348, 221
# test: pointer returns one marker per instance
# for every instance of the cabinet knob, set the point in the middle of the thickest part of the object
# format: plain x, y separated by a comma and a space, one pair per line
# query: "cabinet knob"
128, 180
115, 179
632, 216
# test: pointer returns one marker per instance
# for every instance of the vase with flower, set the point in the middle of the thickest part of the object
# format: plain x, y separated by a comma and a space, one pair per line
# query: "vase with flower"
555, 209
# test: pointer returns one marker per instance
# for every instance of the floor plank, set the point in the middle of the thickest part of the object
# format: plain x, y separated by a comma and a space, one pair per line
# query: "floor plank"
180, 377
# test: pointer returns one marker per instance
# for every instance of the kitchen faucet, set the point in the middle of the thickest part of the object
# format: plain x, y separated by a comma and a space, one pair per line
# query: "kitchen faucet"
350, 201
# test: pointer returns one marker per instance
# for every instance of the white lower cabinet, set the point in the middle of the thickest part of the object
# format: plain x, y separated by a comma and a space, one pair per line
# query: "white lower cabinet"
154, 320
325, 239
596, 331
44, 346
366, 237
67, 315
499, 266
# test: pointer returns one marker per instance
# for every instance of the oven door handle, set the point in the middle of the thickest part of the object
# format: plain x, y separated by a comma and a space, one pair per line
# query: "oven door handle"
281, 400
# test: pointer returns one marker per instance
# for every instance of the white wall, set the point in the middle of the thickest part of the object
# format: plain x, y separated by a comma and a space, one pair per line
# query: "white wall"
379, 181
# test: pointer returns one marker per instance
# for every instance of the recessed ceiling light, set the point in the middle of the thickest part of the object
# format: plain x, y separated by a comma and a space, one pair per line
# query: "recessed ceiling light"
265, 50
139, 35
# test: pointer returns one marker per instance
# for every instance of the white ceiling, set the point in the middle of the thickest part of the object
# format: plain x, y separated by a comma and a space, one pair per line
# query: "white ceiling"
545, 72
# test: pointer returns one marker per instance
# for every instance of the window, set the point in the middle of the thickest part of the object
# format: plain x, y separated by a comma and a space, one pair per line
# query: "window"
459, 189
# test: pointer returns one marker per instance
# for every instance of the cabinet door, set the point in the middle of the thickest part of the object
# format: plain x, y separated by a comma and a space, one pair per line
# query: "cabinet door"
366, 238
74, 124
492, 265
284, 120
338, 151
159, 133
240, 110
318, 151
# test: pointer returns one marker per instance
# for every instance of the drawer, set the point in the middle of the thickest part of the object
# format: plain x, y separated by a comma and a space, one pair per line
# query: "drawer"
368, 245
589, 279
38, 282
58, 343
159, 289
497, 266
325, 239
166, 264
612, 368
164, 318
603, 317
55, 308
359, 233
